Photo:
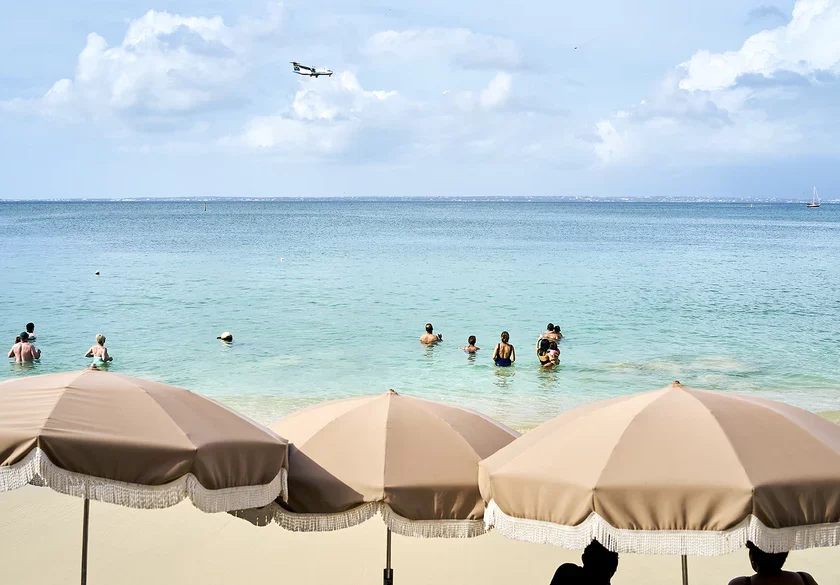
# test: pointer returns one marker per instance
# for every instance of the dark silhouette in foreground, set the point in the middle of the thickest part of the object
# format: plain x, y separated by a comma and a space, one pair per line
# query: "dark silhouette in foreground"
599, 565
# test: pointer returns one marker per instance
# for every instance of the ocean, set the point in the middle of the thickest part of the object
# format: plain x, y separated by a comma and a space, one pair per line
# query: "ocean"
327, 299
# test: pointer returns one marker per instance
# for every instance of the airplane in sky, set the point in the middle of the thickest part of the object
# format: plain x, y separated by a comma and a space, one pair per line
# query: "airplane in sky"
311, 71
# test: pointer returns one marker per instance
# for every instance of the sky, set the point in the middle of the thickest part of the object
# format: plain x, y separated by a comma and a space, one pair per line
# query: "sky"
145, 98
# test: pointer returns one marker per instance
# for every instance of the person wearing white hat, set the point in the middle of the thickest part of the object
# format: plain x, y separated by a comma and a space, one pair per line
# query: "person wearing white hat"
227, 337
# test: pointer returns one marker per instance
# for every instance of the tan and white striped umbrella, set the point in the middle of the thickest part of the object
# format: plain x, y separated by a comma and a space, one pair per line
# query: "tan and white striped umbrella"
675, 471
112, 438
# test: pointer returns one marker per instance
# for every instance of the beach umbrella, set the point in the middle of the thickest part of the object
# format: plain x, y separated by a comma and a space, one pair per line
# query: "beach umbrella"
112, 438
412, 460
677, 471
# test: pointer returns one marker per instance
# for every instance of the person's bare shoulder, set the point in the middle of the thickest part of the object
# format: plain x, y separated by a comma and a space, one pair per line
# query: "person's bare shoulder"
738, 581
809, 580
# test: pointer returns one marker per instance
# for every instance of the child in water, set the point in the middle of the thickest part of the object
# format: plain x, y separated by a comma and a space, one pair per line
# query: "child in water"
553, 352
470, 347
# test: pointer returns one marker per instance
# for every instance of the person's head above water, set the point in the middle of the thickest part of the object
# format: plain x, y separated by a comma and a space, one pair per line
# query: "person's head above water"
544, 345
471, 340
24, 336
766, 564
550, 327
505, 336
100, 339
429, 328
557, 329
17, 339
227, 337
600, 561
552, 345
30, 327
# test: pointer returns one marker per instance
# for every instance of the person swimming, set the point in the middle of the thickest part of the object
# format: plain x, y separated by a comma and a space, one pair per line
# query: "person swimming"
99, 352
23, 351
554, 352
543, 347
504, 354
549, 332
557, 332
471, 347
429, 337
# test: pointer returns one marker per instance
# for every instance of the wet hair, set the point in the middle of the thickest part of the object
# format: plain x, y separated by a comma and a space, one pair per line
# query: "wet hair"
505, 336
600, 560
557, 329
17, 339
552, 345
30, 327
24, 336
550, 327
544, 345
100, 339
429, 328
766, 563
471, 340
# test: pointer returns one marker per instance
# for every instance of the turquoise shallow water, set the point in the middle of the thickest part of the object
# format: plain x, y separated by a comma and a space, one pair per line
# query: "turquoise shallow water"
328, 299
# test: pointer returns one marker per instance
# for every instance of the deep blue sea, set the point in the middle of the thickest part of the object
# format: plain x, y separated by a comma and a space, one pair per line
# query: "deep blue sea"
327, 299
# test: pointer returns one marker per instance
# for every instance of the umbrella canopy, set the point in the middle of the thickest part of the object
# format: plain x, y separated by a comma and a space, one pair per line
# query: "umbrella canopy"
674, 471
126, 441
413, 460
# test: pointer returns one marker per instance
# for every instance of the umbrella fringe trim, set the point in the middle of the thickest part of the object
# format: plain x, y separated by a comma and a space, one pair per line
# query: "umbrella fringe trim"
445, 528
324, 522
330, 522
37, 469
663, 542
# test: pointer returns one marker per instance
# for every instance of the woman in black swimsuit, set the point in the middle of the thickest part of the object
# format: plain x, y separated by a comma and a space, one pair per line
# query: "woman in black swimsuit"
768, 570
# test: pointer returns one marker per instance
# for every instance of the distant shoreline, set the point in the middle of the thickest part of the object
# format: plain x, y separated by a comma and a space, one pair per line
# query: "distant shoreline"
441, 199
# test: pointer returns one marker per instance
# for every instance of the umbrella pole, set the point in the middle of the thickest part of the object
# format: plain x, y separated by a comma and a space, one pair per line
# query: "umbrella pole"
85, 522
685, 569
388, 575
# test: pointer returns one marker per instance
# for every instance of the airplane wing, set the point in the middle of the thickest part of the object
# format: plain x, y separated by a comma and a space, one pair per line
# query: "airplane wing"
299, 66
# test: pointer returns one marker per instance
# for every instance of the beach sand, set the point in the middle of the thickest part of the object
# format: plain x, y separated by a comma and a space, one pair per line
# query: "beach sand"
40, 533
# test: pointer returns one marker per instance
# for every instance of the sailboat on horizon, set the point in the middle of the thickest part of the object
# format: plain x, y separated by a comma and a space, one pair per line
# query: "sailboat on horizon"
815, 199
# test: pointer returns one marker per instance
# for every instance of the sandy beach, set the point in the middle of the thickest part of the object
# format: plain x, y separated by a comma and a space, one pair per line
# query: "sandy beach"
40, 542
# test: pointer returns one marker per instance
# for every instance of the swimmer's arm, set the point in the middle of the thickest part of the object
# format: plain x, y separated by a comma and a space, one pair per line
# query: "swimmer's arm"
496, 352
36, 353
12, 352
512, 354
106, 357
89, 353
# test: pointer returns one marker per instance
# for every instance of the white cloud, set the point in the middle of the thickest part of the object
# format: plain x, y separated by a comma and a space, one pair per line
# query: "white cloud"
464, 47
324, 119
166, 65
497, 91
809, 42
494, 96
725, 107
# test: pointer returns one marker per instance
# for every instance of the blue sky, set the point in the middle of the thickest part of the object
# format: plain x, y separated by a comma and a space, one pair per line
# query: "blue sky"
132, 98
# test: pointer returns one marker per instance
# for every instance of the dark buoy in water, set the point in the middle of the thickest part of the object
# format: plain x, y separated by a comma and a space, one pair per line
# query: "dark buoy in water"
226, 337
96, 273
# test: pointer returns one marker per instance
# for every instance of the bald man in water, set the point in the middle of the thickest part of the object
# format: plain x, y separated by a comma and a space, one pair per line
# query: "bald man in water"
24, 351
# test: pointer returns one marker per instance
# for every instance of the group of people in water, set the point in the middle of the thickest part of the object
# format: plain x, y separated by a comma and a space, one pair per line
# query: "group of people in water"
24, 350
600, 564
504, 354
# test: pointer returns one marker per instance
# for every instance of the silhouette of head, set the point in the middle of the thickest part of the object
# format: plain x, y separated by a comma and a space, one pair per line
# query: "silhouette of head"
550, 327
505, 336
544, 345
764, 563
429, 328
471, 340
600, 561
